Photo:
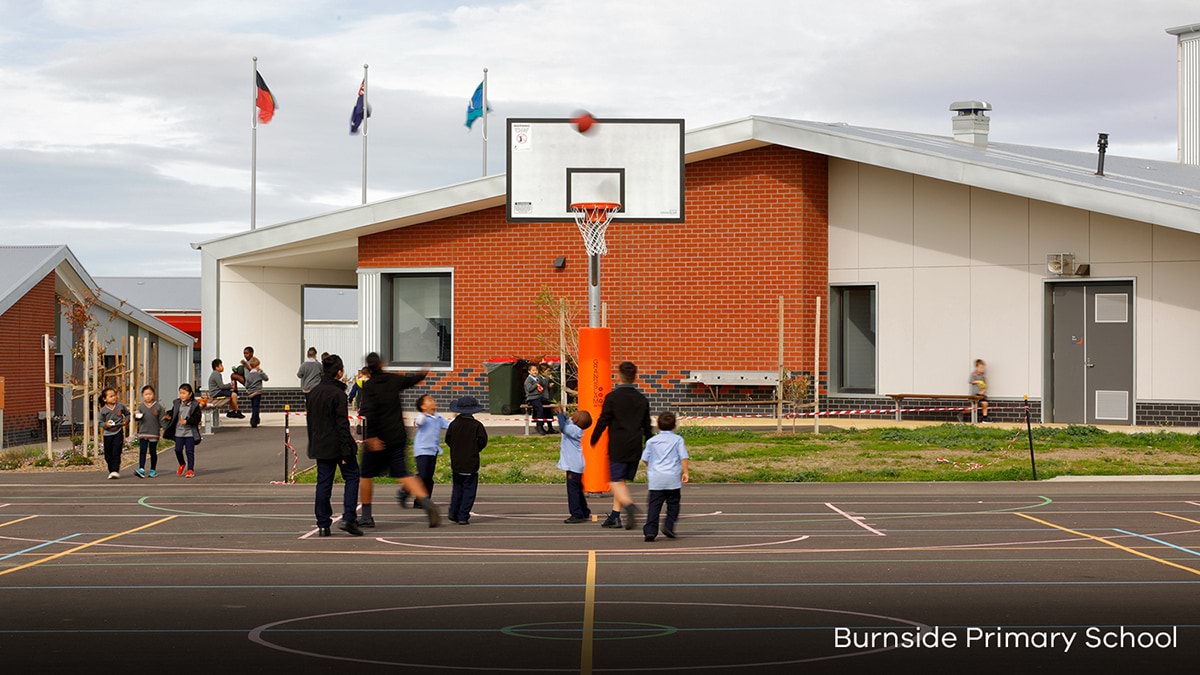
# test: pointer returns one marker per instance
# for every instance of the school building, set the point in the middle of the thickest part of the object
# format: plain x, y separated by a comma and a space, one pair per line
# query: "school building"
37, 286
928, 251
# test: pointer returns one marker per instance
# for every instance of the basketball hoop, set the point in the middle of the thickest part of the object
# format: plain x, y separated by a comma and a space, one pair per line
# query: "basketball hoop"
592, 219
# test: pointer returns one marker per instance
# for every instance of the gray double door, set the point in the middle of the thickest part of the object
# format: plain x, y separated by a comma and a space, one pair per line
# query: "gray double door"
1092, 358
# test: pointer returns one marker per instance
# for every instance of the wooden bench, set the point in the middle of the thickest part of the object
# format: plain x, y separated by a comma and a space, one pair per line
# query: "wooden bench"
973, 398
214, 406
527, 411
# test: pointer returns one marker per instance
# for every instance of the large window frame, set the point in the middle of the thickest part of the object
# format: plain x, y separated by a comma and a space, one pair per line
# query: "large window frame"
837, 346
386, 324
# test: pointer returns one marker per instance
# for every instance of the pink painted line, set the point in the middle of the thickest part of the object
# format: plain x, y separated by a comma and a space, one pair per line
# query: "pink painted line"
857, 520
1192, 503
4, 505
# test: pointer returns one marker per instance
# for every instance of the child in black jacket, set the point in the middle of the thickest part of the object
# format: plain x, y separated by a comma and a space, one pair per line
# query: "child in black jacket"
466, 438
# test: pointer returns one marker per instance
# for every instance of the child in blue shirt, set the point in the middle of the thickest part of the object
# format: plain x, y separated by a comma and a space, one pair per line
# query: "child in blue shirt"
666, 460
570, 459
428, 442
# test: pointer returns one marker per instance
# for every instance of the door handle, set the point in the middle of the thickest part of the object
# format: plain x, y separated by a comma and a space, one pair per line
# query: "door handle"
1088, 363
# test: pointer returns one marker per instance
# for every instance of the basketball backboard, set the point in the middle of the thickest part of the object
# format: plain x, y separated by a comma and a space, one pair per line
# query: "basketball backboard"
637, 163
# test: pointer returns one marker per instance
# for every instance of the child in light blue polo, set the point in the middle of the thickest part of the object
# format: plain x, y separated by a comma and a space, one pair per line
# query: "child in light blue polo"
570, 459
666, 459
427, 444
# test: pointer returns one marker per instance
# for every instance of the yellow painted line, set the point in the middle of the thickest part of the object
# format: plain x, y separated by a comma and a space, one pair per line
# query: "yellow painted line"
18, 520
1147, 556
83, 546
1169, 515
589, 615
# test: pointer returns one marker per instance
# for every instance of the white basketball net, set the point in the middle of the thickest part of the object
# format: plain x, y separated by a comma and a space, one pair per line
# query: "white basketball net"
592, 221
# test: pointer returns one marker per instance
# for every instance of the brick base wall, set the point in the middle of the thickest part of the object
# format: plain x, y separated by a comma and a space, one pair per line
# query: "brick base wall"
21, 361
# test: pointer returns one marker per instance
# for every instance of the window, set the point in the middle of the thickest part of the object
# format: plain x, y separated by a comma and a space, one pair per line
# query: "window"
852, 339
417, 319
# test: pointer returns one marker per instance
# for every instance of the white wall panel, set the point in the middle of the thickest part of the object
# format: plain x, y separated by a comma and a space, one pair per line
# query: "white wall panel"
894, 329
1176, 325
941, 316
999, 228
1119, 240
843, 214
885, 217
1000, 327
941, 223
1057, 229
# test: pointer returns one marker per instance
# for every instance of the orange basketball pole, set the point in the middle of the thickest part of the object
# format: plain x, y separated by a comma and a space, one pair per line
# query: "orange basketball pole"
595, 381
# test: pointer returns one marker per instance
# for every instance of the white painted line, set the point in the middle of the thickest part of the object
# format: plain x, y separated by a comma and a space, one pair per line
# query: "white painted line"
4, 505
857, 520
1192, 503
316, 529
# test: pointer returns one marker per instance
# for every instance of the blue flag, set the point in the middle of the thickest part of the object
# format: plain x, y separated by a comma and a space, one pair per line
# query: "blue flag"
475, 107
356, 115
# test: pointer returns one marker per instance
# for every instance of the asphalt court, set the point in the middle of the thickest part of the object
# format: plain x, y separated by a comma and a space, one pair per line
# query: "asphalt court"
195, 576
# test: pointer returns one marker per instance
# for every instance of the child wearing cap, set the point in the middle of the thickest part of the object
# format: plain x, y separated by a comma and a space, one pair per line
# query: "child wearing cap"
570, 459
466, 438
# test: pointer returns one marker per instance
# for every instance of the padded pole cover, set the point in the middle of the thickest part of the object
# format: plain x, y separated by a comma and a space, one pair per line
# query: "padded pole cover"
595, 381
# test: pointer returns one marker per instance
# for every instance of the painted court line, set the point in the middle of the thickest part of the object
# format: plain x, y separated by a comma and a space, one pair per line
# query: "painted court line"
18, 520
316, 529
589, 615
1171, 515
83, 546
42, 545
857, 520
1113, 544
1157, 541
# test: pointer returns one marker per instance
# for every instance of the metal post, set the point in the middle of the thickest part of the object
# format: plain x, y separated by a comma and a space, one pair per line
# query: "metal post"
594, 318
1029, 430
817, 371
287, 440
253, 140
49, 408
562, 357
484, 110
779, 385
364, 135
87, 382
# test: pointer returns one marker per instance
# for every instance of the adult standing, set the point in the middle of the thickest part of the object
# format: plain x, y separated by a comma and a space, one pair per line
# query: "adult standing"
387, 441
334, 448
626, 416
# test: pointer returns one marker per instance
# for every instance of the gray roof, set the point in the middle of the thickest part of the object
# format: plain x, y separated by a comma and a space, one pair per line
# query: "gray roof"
1156, 192
331, 304
156, 294
23, 267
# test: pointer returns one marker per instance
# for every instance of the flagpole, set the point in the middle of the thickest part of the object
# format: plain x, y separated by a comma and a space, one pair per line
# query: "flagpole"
253, 140
484, 109
364, 130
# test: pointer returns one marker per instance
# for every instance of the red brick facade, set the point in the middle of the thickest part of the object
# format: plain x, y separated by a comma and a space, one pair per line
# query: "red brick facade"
702, 294
21, 359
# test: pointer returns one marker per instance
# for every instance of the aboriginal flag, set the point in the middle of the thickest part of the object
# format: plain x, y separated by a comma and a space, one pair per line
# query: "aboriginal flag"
266, 100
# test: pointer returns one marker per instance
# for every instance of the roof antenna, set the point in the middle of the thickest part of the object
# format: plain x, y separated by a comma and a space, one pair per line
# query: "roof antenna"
1102, 144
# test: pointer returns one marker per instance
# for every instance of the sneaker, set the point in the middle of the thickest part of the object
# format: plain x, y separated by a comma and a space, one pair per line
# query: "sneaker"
431, 510
179, 471
240, 415
572, 520
190, 474
153, 473
463, 522
986, 420
630, 513
323, 532
113, 475
350, 527
140, 472
366, 521
231, 415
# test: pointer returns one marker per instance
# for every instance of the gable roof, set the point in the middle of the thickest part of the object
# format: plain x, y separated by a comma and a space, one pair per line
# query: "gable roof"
1161, 193
23, 267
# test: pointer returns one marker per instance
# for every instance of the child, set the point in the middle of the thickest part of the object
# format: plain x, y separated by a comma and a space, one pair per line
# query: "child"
217, 389
466, 438
309, 372
978, 380
570, 459
149, 418
427, 444
356, 387
183, 426
254, 388
113, 416
535, 387
666, 461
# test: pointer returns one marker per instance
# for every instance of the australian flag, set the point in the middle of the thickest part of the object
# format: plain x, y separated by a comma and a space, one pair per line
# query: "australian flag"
356, 116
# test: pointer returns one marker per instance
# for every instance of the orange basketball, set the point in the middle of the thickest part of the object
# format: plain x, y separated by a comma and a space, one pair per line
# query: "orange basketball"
583, 121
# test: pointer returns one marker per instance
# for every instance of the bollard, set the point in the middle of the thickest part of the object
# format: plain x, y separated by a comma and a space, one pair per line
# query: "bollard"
1029, 429
287, 440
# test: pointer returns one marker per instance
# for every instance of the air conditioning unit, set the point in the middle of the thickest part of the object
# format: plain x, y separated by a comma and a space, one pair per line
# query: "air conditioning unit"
1062, 264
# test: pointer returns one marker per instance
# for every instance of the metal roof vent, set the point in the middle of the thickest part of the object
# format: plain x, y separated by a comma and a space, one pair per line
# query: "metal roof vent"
971, 124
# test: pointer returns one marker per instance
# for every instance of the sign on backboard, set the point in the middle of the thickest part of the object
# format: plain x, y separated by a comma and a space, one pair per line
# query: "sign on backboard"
637, 163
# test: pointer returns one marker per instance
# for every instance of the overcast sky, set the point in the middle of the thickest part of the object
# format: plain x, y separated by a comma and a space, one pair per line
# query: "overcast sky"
125, 125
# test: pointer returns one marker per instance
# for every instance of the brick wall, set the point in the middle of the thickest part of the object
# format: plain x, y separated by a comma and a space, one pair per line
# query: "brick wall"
21, 360
696, 295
